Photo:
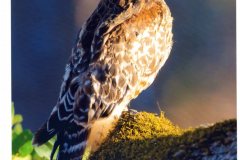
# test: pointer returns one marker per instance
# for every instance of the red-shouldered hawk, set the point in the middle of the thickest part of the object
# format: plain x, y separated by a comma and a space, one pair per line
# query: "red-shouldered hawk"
118, 53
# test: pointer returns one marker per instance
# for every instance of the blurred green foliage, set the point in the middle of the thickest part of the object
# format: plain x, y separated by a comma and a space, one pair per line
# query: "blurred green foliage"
22, 148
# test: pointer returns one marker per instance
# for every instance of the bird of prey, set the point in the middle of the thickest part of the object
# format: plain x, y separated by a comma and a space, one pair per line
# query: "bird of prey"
118, 53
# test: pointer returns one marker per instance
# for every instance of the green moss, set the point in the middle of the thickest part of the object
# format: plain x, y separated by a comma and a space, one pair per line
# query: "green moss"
147, 136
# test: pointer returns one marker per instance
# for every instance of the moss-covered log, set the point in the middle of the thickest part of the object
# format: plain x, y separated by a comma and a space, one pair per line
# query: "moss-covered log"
147, 136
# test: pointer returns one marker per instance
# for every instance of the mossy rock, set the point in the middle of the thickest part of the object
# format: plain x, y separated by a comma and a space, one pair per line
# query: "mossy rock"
146, 136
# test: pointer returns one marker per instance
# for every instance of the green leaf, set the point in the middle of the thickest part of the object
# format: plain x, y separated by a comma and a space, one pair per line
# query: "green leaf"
17, 119
17, 129
35, 156
29, 157
20, 140
52, 141
26, 149
14, 136
13, 111
43, 151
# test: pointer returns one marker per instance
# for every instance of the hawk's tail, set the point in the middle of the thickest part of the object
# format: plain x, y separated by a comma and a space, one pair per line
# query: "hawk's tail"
43, 135
47, 131
72, 143
71, 138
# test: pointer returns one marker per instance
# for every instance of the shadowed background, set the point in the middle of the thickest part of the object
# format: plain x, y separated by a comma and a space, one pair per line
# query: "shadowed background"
197, 85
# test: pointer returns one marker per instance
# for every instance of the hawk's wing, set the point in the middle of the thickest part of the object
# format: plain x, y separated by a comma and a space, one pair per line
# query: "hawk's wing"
87, 50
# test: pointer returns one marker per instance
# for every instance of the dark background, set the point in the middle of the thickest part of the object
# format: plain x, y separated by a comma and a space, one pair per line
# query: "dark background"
197, 85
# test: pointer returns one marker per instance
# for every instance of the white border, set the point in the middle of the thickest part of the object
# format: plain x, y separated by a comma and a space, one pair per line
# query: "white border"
5, 80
